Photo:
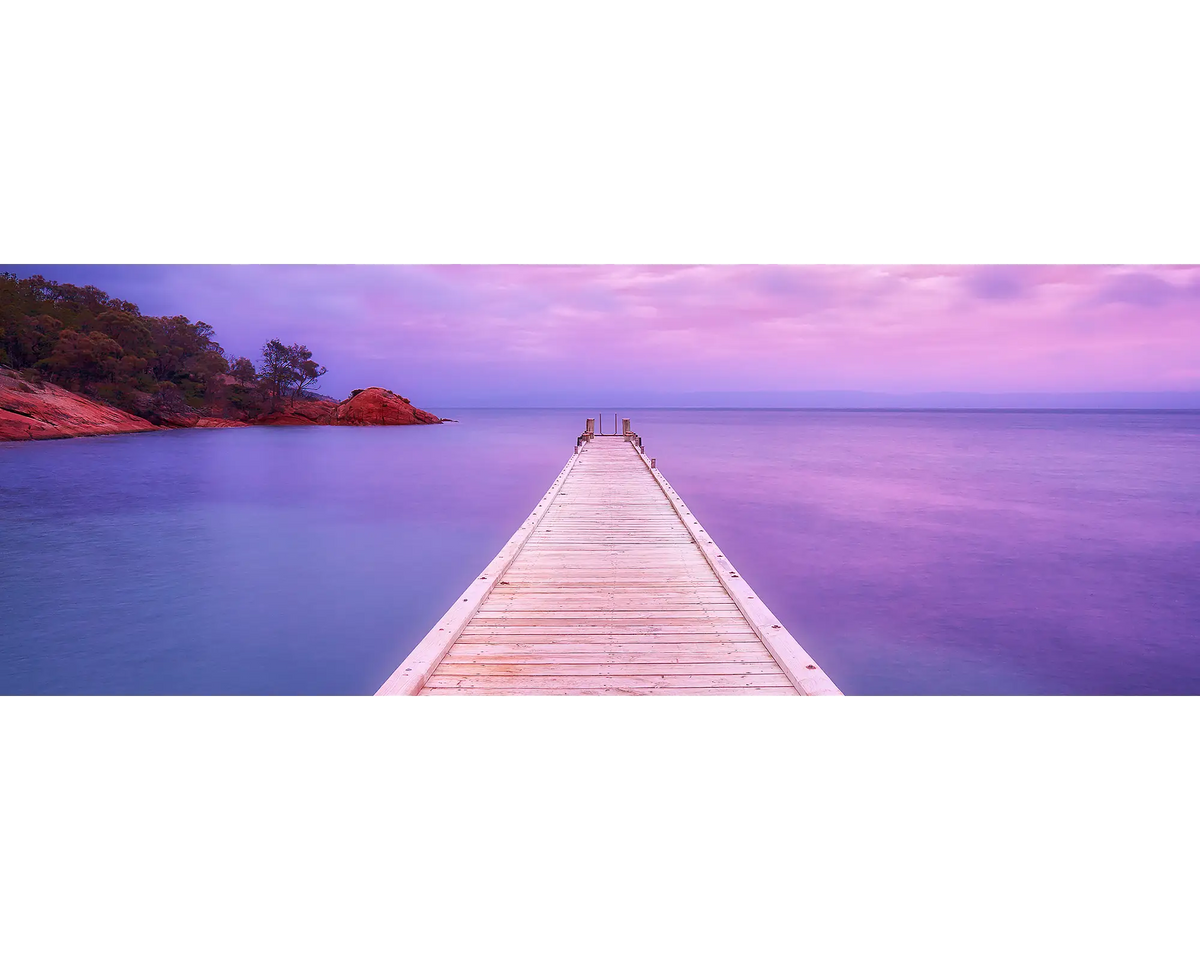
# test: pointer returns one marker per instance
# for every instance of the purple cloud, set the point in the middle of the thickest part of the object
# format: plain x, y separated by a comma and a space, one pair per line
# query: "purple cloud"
1140, 289
996, 283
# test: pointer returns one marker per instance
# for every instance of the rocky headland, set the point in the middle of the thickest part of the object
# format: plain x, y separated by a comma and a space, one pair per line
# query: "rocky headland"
31, 410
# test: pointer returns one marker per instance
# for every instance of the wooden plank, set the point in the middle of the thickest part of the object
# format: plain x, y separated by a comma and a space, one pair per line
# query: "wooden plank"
676, 681
722, 667
501, 618
613, 630
605, 653
592, 641
788, 691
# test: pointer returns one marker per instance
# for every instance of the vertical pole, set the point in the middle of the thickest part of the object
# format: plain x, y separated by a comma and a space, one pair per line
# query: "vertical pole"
625, 426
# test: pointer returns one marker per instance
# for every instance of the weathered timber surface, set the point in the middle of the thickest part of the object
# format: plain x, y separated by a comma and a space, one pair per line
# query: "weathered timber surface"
611, 586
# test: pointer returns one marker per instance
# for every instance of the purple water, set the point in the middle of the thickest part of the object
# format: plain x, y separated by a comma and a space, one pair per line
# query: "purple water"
932, 553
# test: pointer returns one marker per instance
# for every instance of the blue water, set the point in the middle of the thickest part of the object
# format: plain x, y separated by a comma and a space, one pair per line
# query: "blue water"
931, 553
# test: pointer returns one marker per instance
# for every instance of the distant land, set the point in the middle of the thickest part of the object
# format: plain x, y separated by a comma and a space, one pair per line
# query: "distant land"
76, 362
849, 400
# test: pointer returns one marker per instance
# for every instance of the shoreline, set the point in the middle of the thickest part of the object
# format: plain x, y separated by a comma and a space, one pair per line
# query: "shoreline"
46, 411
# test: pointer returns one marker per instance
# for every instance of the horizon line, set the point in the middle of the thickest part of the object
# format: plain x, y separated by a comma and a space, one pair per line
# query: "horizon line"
591, 408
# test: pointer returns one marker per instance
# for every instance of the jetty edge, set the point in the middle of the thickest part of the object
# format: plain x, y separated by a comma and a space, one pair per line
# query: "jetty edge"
611, 585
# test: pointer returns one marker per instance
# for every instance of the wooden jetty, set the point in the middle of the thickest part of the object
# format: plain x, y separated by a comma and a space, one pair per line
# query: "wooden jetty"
611, 586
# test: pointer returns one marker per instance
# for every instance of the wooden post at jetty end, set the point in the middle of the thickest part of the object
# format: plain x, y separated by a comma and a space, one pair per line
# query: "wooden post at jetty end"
610, 586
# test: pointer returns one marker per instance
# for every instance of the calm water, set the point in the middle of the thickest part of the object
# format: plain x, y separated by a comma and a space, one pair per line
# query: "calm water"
947, 553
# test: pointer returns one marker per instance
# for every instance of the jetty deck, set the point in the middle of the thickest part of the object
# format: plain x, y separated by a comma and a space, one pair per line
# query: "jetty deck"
611, 586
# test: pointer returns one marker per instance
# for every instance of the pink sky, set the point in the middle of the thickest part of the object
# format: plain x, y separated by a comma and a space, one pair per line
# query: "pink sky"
453, 333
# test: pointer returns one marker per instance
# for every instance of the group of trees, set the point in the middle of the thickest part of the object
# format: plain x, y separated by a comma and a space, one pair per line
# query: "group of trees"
284, 368
85, 340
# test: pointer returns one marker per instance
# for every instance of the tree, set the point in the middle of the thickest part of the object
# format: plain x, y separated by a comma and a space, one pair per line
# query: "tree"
243, 371
83, 358
206, 365
25, 339
276, 369
307, 371
287, 368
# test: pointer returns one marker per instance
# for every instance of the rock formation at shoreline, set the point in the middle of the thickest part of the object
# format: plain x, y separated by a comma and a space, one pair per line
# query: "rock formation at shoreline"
378, 407
298, 413
44, 411
372, 407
